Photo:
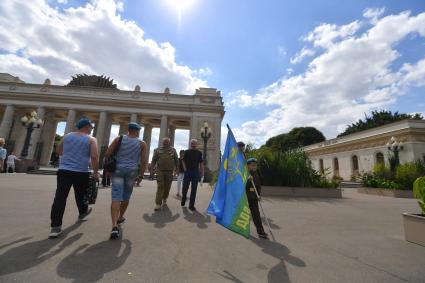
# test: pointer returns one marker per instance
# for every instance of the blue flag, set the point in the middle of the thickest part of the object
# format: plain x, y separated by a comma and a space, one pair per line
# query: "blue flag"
229, 203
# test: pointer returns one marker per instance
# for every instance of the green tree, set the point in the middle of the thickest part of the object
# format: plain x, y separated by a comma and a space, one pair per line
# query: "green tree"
297, 137
378, 118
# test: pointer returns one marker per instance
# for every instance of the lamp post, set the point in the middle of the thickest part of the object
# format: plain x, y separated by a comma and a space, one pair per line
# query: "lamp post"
31, 122
395, 147
205, 134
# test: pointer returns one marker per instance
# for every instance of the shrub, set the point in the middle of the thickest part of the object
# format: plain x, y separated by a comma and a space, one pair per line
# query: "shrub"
288, 168
381, 171
419, 192
407, 173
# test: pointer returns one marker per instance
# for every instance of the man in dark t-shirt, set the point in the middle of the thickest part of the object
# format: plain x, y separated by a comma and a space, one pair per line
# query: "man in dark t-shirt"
193, 170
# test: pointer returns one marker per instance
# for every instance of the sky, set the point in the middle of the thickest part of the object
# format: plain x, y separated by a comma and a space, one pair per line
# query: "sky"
279, 64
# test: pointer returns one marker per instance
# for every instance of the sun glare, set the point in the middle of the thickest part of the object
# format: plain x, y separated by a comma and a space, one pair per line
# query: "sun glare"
180, 6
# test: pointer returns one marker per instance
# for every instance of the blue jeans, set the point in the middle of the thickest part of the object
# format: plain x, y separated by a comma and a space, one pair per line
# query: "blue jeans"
122, 183
190, 176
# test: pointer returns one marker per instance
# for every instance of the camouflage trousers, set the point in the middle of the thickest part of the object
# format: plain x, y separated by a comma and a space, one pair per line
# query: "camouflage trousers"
164, 180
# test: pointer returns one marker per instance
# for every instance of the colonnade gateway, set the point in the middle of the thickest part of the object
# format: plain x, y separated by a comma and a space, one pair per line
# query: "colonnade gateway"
97, 98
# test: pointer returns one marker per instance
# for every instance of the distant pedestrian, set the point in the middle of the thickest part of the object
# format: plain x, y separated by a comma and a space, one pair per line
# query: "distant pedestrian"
253, 198
241, 146
77, 150
180, 177
106, 179
166, 162
130, 153
3, 154
10, 163
193, 171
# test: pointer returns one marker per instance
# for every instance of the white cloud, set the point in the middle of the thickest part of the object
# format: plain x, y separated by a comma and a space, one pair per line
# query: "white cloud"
325, 35
41, 41
373, 14
305, 52
353, 75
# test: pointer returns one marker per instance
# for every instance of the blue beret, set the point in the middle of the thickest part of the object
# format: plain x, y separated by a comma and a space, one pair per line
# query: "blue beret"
251, 160
134, 126
83, 122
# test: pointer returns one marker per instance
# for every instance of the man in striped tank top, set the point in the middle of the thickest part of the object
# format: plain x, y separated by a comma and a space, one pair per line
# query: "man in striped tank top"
76, 150
131, 153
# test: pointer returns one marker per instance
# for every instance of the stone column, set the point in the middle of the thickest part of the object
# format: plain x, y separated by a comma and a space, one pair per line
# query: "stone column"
134, 118
123, 129
107, 131
193, 134
18, 134
48, 138
6, 122
101, 125
35, 137
70, 121
147, 136
172, 134
163, 131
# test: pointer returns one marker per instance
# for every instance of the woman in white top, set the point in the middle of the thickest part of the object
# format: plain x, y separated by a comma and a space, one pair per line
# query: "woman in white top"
11, 162
3, 153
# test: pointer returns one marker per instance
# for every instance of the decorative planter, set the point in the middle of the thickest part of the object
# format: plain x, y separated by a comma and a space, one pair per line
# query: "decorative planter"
386, 192
414, 228
300, 192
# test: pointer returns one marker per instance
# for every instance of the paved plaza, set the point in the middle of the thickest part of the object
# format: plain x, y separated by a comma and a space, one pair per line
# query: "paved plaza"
355, 239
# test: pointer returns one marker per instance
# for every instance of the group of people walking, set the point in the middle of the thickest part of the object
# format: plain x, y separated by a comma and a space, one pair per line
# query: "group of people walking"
78, 153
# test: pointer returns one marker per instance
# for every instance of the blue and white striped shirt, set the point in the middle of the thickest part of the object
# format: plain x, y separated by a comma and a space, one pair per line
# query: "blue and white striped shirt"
76, 153
128, 155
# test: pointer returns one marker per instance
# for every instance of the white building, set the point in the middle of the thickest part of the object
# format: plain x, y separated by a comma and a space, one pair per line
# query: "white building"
359, 152
100, 100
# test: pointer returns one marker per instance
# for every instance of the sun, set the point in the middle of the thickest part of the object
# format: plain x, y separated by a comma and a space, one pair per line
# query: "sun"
180, 6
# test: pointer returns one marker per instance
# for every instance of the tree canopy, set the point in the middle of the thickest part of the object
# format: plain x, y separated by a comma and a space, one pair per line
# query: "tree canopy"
378, 118
297, 137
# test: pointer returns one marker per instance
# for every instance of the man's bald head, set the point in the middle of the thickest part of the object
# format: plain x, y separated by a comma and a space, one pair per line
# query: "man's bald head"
166, 142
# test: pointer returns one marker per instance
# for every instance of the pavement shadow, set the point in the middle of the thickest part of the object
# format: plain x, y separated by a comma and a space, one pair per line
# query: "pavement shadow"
229, 276
90, 263
200, 219
278, 273
161, 218
34, 253
271, 222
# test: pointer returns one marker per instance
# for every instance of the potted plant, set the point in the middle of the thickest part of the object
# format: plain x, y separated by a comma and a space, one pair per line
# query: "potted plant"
414, 224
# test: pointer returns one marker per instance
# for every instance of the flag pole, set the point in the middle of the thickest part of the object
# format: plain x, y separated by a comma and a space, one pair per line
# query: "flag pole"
262, 209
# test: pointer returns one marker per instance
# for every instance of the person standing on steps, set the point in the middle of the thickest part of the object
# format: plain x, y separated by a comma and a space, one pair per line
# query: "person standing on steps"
77, 150
130, 152
11, 162
253, 198
3, 154
166, 162
193, 171
180, 177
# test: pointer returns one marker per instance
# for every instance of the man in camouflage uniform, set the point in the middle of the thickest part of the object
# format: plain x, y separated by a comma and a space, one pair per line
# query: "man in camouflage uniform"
165, 161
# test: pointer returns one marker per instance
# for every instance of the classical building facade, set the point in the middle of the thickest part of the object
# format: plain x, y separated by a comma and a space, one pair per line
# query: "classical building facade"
100, 100
350, 155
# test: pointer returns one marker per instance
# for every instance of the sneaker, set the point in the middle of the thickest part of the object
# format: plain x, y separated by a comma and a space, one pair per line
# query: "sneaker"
115, 233
157, 207
55, 232
121, 220
192, 208
183, 202
82, 216
263, 235
164, 202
